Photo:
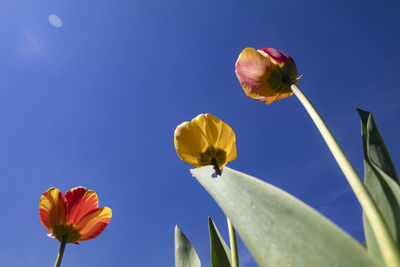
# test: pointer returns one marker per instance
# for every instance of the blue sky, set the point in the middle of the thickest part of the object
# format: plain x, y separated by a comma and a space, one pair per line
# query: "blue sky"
95, 103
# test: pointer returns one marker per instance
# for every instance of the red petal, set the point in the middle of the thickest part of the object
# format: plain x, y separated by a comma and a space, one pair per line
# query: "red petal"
80, 202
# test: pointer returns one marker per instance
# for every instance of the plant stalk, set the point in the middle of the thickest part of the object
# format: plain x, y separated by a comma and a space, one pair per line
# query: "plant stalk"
232, 240
216, 167
388, 247
61, 251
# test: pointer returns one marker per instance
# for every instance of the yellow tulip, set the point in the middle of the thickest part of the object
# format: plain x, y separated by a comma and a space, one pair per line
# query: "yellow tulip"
206, 140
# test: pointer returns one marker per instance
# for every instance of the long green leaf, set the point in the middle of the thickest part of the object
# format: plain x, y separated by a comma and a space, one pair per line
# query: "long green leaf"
220, 253
382, 182
185, 254
278, 229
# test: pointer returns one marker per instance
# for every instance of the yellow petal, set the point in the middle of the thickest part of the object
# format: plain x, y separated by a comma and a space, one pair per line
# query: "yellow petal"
52, 208
92, 224
230, 147
190, 141
210, 126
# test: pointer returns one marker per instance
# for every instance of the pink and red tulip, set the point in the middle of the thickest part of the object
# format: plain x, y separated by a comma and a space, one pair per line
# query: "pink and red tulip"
264, 73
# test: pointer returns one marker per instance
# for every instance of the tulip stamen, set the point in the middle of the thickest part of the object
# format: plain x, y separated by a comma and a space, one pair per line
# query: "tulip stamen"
216, 167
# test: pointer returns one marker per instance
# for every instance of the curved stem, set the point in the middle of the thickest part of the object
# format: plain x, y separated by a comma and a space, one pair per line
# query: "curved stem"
385, 241
232, 239
61, 251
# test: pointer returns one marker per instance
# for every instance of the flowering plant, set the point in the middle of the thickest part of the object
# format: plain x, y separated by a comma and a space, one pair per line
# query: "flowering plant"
73, 216
277, 228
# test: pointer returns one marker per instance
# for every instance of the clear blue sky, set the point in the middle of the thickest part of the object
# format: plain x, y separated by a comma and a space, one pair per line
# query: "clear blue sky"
95, 103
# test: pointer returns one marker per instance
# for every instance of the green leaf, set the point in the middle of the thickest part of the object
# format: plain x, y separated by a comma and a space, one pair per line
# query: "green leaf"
220, 253
381, 181
185, 254
278, 229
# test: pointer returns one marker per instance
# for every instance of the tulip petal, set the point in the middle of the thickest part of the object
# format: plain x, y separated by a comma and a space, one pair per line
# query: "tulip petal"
80, 202
225, 138
219, 135
277, 96
211, 126
226, 141
189, 142
284, 61
52, 208
230, 148
253, 70
93, 223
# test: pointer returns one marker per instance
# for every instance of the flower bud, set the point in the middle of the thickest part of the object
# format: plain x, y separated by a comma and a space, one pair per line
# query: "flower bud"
264, 73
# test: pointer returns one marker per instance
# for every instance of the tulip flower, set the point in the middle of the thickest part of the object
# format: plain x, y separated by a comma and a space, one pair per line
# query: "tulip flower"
206, 140
263, 74
73, 216
269, 75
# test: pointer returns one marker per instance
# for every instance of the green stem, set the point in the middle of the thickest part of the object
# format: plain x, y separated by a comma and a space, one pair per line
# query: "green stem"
232, 239
385, 241
61, 251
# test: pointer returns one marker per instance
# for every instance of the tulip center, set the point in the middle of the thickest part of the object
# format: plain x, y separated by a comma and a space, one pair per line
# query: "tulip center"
70, 231
213, 156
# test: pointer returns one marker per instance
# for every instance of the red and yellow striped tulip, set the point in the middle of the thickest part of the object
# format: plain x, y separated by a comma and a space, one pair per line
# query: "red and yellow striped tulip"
74, 216
263, 73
